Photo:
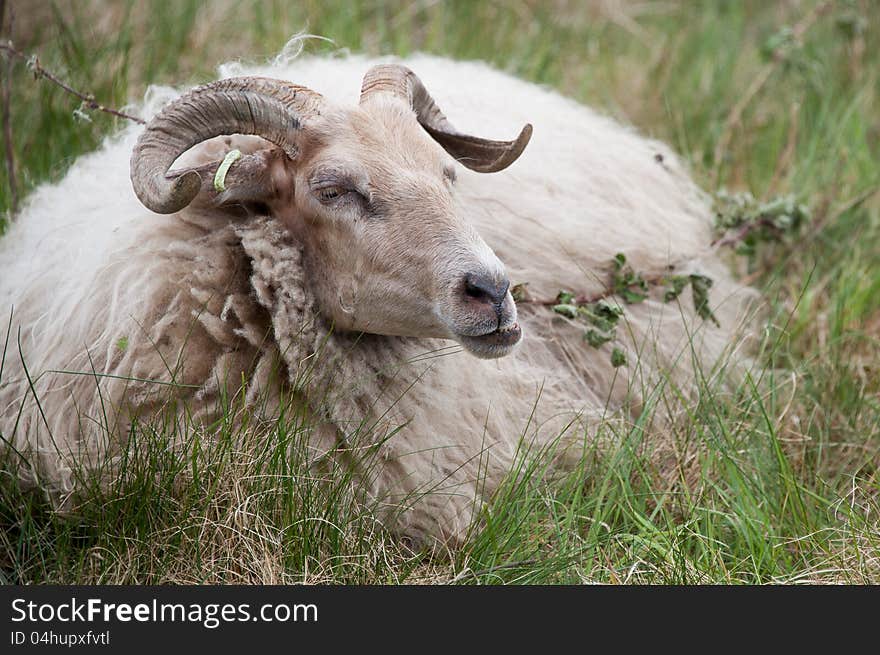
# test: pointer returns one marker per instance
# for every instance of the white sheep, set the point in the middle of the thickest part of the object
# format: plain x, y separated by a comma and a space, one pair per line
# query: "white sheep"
347, 229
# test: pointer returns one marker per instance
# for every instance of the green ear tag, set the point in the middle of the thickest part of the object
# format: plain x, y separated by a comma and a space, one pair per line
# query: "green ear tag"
220, 176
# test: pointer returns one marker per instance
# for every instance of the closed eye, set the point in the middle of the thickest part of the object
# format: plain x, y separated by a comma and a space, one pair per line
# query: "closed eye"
339, 190
339, 195
330, 193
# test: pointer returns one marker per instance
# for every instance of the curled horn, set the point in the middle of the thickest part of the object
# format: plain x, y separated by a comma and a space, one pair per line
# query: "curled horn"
481, 155
271, 109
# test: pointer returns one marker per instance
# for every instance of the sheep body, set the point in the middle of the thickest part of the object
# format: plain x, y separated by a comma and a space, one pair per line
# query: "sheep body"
104, 288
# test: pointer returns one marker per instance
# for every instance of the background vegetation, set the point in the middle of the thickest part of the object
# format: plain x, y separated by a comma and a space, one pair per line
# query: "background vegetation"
769, 98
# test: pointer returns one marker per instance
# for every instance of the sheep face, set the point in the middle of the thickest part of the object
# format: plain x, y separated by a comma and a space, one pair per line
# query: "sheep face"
368, 191
372, 201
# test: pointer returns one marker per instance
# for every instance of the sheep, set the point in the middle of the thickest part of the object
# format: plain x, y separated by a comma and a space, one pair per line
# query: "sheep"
369, 247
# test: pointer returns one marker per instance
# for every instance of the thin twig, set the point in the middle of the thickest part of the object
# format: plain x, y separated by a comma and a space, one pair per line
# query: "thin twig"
731, 238
585, 299
825, 217
758, 83
87, 98
738, 236
577, 300
6, 117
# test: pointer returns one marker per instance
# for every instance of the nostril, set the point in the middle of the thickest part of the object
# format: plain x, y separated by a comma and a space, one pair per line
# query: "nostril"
484, 288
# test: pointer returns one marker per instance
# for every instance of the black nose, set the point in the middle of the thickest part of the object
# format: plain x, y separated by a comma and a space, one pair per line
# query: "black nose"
486, 289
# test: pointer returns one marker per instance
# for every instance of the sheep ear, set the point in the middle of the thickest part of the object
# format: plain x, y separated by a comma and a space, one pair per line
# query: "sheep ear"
481, 155
238, 181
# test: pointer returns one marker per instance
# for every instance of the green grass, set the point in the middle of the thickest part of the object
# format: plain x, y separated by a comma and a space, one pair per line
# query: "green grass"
766, 488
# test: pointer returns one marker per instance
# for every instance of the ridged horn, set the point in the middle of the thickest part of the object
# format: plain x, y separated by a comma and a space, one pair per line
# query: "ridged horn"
481, 155
272, 109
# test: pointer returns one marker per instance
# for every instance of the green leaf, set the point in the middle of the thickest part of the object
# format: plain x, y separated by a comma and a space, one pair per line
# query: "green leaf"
675, 285
633, 297
618, 358
596, 338
851, 24
607, 309
602, 314
700, 285
564, 297
626, 283
571, 311
122, 343
745, 222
